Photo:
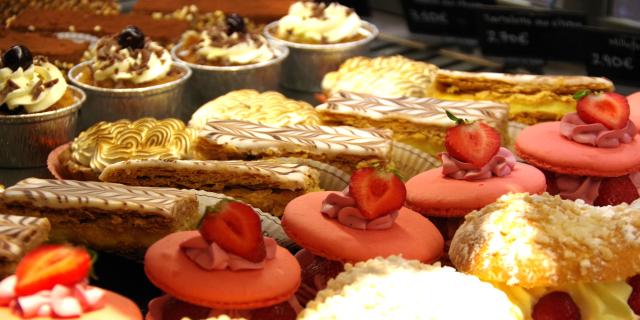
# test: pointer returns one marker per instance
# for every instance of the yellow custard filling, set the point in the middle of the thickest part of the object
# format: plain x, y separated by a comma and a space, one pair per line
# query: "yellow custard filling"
542, 102
596, 301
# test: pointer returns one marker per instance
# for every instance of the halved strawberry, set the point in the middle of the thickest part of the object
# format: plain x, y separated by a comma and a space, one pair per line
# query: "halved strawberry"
614, 191
609, 108
235, 227
49, 265
634, 298
377, 193
474, 142
556, 305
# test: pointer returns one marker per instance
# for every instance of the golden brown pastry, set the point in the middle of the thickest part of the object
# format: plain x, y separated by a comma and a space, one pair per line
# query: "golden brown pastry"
533, 245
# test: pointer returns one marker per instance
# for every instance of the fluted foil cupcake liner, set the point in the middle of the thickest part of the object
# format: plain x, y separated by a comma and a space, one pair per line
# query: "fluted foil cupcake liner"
103, 104
210, 82
307, 64
270, 225
27, 139
331, 178
409, 161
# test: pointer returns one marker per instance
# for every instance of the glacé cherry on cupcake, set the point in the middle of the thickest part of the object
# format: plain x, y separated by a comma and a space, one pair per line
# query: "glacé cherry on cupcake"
51, 283
226, 267
232, 42
31, 84
365, 221
592, 154
129, 60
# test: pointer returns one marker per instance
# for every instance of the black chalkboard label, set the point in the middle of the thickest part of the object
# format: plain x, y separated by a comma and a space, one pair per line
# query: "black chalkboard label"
442, 17
613, 54
531, 33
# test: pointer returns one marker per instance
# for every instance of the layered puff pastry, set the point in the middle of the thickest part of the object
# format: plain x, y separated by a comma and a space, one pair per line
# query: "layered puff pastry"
532, 245
531, 98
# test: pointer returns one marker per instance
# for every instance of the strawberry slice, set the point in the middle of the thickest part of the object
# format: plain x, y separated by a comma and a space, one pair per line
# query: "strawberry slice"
377, 193
474, 142
49, 265
614, 191
556, 306
609, 108
634, 298
235, 227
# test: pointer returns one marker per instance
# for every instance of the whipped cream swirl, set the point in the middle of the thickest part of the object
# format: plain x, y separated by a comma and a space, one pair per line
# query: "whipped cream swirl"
342, 207
36, 89
319, 22
500, 165
210, 256
595, 134
113, 62
61, 301
215, 45
572, 187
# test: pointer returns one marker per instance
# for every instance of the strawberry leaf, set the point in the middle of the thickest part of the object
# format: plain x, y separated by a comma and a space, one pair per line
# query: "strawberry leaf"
581, 94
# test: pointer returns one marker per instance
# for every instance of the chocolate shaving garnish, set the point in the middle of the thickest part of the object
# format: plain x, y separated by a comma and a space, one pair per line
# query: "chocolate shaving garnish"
7, 89
37, 89
50, 83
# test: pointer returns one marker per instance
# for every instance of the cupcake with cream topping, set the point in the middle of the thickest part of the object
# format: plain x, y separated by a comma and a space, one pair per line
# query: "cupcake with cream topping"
230, 55
38, 110
320, 37
129, 60
320, 23
130, 76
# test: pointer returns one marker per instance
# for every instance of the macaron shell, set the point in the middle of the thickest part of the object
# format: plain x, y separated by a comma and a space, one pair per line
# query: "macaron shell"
412, 235
634, 104
116, 307
170, 270
542, 146
433, 194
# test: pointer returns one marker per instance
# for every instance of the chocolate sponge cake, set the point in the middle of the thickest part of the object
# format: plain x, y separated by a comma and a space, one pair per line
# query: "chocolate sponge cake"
63, 53
164, 31
269, 10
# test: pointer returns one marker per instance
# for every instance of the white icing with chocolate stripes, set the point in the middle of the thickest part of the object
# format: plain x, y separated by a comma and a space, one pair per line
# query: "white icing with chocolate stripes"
62, 194
427, 111
16, 232
256, 138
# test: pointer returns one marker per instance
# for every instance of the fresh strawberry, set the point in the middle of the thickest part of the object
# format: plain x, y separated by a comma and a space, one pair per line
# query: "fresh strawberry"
556, 306
474, 142
49, 265
609, 108
377, 193
634, 298
235, 227
614, 191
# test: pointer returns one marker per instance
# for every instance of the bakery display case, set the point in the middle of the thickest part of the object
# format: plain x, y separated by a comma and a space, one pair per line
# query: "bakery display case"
349, 159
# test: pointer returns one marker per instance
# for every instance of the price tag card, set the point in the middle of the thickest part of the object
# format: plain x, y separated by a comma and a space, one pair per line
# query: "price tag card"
541, 34
443, 17
613, 54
